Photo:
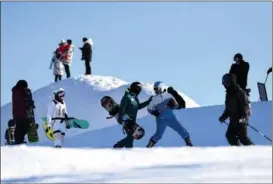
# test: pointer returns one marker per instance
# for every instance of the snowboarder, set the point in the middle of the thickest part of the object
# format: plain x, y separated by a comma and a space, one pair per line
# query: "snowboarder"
129, 107
56, 115
162, 107
237, 110
22, 102
240, 68
58, 67
87, 54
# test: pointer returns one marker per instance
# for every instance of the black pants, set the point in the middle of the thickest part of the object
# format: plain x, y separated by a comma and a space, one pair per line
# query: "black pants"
128, 141
67, 70
87, 67
21, 130
58, 77
237, 132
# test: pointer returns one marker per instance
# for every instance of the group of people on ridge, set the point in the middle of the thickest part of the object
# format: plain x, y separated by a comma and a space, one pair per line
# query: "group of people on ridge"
62, 58
161, 106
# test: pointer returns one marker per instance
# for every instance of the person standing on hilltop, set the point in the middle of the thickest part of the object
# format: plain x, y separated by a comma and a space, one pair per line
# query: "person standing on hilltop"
87, 54
240, 69
67, 58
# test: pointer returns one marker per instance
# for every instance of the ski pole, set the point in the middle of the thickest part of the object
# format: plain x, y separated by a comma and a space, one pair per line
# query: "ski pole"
256, 131
260, 133
266, 79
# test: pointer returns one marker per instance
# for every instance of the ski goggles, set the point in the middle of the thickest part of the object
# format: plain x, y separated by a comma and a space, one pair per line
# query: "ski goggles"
61, 94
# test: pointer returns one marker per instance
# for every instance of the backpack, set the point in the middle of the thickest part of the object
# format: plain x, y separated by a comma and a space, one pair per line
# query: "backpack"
181, 102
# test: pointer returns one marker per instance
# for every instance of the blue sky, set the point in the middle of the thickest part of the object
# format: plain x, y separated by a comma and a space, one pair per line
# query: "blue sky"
186, 45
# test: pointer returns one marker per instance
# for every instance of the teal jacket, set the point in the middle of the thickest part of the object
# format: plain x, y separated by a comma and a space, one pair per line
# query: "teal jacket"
129, 105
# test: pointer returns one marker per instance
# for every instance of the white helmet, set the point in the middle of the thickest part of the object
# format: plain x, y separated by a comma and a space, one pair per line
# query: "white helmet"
159, 87
59, 92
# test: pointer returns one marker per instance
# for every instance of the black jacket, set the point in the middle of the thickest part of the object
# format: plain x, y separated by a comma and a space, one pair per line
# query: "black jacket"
237, 103
86, 51
241, 72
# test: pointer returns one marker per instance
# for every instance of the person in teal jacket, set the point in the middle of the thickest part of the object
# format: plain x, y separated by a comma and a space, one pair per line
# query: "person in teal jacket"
129, 107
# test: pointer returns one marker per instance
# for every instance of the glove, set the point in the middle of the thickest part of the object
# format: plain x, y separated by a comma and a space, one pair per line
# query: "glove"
171, 104
155, 113
269, 70
150, 99
222, 119
48, 126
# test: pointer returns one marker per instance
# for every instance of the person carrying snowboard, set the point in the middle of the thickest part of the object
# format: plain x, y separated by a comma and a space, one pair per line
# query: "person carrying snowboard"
56, 115
162, 107
22, 103
237, 110
129, 107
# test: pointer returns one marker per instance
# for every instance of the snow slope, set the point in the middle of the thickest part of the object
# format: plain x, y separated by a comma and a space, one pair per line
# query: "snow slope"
89, 157
83, 94
157, 165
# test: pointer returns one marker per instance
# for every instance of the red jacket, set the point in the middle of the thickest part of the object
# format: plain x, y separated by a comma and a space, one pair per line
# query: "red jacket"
20, 102
62, 50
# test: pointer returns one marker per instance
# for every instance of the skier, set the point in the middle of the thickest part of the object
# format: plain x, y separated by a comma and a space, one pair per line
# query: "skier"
240, 68
237, 110
162, 107
87, 54
22, 103
58, 67
56, 115
129, 107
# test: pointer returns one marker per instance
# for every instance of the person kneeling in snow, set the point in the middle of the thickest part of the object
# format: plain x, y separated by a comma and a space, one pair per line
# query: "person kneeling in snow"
56, 116
161, 107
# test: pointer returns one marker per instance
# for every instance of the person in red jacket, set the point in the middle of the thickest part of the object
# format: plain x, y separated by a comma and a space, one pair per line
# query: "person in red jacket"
68, 54
21, 102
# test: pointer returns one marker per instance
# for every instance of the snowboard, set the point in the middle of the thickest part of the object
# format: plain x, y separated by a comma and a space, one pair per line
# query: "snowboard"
112, 107
32, 130
70, 123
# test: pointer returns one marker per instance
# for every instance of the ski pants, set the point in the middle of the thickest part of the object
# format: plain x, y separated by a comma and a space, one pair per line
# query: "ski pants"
173, 123
59, 129
126, 142
87, 67
21, 130
237, 132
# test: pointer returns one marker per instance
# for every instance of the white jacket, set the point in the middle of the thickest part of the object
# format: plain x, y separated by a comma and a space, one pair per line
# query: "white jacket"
57, 110
58, 67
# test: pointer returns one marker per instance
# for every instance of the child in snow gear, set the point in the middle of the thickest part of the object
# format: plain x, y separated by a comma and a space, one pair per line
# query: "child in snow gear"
162, 107
58, 67
129, 107
237, 110
87, 54
56, 116
240, 68
23, 113
9, 134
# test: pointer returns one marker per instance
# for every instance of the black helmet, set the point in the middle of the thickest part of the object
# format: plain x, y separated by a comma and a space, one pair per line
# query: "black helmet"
238, 57
229, 80
136, 87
